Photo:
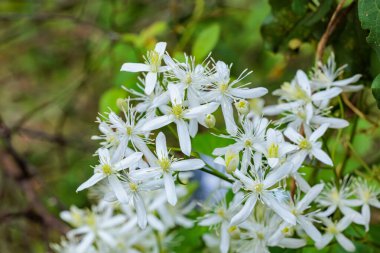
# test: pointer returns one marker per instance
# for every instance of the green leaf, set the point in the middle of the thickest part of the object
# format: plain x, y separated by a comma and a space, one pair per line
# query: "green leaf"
206, 41
109, 100
376, 89
205, 143
369, 15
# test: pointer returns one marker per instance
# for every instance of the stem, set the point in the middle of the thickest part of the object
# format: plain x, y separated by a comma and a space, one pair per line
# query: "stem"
352, 135
329, 30
216, 173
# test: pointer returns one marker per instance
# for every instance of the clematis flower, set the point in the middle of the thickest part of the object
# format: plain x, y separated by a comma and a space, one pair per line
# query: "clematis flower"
335, 229
308, 146
334, 197
224, 91
110, 168
324, 77
96, 226
178, 114
260, 188
274, 148
260, 234
252, 131
368, 195
130, 131
220, 218
305, 221
167, 166
152, 65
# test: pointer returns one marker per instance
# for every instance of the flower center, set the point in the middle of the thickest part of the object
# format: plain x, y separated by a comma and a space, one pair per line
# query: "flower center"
335, 196
258, 187
188, 79
133, 187
248, 143
332, 229
220, 212
107, 169
177, 111
154, 60
260, 236
223, 87
129, 130
164, 163
304, 144
273, 150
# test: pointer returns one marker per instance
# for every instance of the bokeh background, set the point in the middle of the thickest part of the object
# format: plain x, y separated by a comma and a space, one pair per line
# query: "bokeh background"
59, 67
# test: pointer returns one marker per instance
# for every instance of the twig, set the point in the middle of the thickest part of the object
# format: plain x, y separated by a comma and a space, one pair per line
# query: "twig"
330, 28
357, 111
27, 183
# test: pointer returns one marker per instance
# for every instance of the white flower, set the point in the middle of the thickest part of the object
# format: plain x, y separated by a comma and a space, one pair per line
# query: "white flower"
152, 66
368, 196
324, 77
130, 130
110, 168
220, 218
308, 146
177, 113
97, 226
252, 131
224, 92
167, 166
148, 103
306, 221
262, 189
334, 197
334, 229
262, 233
274, 148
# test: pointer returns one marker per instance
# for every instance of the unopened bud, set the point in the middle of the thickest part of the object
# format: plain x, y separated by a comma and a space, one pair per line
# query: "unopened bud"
210, 120
242, 106
232, 161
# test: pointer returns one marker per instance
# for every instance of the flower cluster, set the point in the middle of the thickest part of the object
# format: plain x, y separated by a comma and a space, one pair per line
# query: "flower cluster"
272, 203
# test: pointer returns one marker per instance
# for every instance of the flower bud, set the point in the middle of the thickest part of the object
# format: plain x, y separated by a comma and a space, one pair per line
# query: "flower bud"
242, 106
210, 120
232, 161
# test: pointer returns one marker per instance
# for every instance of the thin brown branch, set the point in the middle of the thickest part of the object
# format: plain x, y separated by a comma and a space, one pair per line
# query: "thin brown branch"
335, 19
356, 110
21, 172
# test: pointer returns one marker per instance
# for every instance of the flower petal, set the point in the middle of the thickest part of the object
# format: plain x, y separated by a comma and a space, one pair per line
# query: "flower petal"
135, 67
184, 137
186, 165
160, 48
118, 189
170, 189
157, 123
248, 93
276, 175
244, 213
345, 243
229, 117
150, 82
129, 161
161, 148
91, 181
201, 110
140, 210
322, 156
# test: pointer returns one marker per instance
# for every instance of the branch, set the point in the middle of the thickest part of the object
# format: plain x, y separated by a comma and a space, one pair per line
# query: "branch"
335, 19
25, 178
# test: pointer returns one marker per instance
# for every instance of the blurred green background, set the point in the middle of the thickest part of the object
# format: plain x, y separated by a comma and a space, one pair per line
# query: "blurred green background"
59, 66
